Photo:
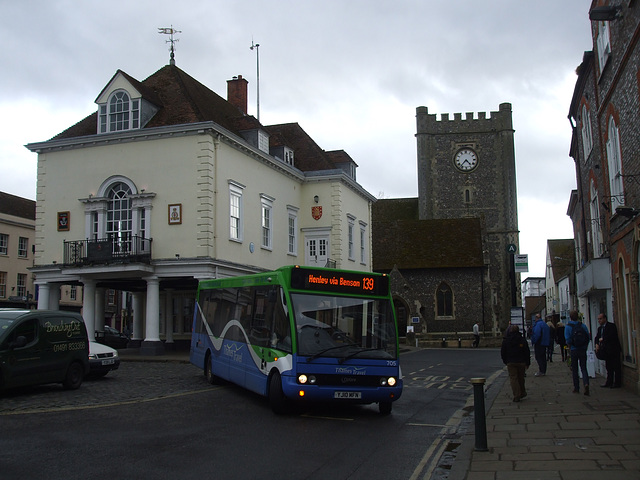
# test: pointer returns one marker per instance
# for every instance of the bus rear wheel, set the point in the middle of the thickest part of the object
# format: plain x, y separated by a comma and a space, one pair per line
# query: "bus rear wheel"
385, 408
277, 400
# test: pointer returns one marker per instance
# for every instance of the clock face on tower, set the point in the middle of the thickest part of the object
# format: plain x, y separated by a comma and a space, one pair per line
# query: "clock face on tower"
466, 159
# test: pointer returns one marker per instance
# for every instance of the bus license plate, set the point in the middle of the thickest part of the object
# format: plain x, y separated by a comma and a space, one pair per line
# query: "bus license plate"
108, 362
347, 395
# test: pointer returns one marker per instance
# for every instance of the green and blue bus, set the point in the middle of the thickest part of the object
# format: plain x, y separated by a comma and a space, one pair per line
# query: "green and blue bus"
300, 334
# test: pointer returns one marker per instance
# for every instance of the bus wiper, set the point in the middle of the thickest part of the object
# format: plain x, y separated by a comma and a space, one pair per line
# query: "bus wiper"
344, 359
322, 352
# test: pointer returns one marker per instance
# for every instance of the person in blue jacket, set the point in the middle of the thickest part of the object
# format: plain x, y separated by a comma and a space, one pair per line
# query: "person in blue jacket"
578, 352
540, 341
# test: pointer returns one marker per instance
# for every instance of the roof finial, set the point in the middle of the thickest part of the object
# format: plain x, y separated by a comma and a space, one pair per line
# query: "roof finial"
172, 41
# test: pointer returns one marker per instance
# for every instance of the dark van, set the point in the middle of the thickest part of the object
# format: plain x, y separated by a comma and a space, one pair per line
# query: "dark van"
42, 346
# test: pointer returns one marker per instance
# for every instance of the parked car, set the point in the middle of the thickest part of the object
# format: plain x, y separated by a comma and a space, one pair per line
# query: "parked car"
102, 359
112, 337
42, 346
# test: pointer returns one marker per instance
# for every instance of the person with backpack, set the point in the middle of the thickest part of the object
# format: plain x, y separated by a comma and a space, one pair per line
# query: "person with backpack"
516, 356
577, 336
540, 341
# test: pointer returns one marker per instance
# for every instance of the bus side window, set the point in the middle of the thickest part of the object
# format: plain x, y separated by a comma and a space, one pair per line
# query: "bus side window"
281, 329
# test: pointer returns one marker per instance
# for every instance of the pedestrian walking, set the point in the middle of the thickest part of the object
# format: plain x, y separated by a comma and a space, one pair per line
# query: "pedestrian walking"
608, 348
516, 356
552, 338
476, 335
540, 342
577, 336
560, 340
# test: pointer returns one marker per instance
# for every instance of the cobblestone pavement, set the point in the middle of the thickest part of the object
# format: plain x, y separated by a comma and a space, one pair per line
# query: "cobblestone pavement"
133, 382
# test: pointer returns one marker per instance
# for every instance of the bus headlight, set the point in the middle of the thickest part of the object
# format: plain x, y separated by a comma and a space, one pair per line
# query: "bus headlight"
304, 379
388, 382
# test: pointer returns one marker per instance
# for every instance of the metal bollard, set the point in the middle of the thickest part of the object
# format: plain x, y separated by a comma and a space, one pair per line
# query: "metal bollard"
444, 342
480, 414
459, 343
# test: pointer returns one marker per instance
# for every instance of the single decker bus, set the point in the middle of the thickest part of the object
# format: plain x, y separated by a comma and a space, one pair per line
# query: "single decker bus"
300, 334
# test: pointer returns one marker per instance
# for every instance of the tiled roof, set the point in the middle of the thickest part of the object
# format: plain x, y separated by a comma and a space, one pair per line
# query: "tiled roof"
400, 239
308, 155
17, 206
182, 100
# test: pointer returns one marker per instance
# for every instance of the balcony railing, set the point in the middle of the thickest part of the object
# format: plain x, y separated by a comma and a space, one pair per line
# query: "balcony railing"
107, 250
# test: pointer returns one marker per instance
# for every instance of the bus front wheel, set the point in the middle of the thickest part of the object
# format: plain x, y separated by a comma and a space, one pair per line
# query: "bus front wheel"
277, 400
208, 371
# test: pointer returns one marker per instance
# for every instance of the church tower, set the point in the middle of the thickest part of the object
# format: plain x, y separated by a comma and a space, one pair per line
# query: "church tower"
466, 169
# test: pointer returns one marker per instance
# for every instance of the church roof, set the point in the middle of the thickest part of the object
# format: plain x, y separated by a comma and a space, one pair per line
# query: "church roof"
400, 239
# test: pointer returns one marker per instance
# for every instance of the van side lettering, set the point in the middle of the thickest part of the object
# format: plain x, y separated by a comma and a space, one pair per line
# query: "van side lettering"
70, 329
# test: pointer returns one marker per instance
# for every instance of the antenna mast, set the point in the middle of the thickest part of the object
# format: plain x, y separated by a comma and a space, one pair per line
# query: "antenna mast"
172, 41
257, 46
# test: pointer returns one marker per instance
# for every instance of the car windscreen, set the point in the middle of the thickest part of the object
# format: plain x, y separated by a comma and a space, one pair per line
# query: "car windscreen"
344, 327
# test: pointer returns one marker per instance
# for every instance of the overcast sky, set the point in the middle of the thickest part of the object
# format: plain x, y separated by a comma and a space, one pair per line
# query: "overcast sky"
350, 72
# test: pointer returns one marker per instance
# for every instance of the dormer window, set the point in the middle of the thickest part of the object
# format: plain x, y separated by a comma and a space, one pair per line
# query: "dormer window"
120, 113
288, 156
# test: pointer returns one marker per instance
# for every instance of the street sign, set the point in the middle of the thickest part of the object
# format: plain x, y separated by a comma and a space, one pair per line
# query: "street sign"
521, 263
511, 248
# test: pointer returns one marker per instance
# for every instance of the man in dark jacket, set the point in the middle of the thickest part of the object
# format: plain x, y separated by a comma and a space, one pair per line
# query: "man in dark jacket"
516, 356
540, 342
607, 340
578, 352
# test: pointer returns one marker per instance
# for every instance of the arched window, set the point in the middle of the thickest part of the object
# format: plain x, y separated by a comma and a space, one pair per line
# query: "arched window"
119, 216
120, 113
587, 138
596, 231
444, 301
614, 160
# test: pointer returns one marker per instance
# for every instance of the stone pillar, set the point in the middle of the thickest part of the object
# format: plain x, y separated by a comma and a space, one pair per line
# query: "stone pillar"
136, 336
152, 344
89, 307
43, 296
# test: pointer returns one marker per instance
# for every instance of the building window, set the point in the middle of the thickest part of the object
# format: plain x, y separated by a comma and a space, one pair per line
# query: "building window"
4, 244
292, 246
596, 231
3, 284
603, 43
267, 226
23, 247
587, 138
350, 234
444, 301
120, 113
363, 244
614, 160
73, 293
119, 217
263, 141
235, 211
22, 285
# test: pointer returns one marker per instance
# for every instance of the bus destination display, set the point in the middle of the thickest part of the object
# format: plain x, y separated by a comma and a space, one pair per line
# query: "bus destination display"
339, 282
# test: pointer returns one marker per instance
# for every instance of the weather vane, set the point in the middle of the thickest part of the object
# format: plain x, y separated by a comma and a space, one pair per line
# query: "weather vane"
172, 41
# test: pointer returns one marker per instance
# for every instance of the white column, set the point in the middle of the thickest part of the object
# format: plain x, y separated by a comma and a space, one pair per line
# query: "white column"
43, 296
89, 307
100, 309
152, 344
152, 320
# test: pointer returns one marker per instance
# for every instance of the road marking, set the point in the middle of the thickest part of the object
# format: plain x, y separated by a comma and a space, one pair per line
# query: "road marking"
103, 405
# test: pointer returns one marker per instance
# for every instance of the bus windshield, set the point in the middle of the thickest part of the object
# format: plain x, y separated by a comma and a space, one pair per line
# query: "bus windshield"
344, 327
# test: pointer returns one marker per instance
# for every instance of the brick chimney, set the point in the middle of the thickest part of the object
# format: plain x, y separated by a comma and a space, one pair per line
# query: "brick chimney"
237, 93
